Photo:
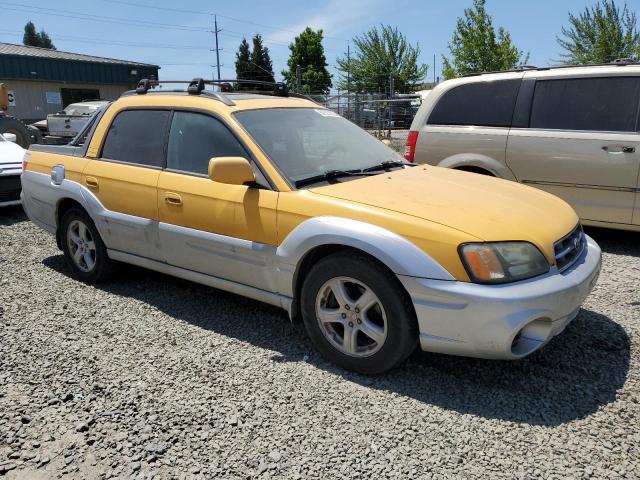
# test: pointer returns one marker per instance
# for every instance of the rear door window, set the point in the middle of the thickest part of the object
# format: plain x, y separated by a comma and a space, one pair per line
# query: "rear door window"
137, 136
597, 104
488, 104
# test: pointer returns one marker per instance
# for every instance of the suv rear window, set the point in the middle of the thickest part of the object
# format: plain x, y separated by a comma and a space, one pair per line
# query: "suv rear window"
488, 104
137, 136
600, 104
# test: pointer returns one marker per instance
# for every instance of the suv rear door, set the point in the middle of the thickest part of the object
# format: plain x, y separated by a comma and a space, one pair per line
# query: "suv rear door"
469, 125
577, 137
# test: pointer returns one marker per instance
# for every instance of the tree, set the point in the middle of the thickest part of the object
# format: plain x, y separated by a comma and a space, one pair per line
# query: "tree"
34, 39
600, 34
380, 55
308, 53
243, 63
253, 65
261, 64
476, 48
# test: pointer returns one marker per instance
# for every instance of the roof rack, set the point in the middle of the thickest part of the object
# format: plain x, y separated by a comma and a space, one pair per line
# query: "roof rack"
197, 87
619, 62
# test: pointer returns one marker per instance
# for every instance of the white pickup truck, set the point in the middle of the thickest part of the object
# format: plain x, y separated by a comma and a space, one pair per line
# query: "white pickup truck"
68, 122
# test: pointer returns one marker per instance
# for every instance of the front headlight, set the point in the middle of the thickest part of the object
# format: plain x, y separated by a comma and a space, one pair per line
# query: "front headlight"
502, 262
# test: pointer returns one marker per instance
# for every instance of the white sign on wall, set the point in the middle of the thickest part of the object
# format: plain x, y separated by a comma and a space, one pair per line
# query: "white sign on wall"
54, 98
12, 98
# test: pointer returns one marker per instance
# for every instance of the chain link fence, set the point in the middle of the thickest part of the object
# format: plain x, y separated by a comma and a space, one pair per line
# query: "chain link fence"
384, 117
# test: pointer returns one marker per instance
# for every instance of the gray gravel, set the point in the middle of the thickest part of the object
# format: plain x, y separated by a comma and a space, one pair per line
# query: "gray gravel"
154, 377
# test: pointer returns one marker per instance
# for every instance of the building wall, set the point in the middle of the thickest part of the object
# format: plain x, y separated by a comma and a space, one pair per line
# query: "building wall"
32, 103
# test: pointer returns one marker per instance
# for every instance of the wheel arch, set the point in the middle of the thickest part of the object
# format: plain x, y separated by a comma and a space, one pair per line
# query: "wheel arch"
321, 236
477, 163
63, 205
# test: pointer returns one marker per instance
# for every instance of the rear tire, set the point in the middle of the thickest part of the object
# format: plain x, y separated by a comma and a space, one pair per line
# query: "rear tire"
357, 314
83, 247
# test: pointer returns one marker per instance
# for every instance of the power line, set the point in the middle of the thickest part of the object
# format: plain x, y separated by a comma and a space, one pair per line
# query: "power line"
112, 42
19, 7
200, 12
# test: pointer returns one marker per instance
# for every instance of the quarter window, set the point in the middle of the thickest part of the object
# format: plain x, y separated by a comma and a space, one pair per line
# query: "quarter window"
487, 104
600, 104
137, 136
195, 138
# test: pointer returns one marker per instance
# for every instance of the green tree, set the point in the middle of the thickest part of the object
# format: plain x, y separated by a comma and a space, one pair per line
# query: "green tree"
243, 64
600, 34
253, 64
380, 55
34, 39
307, 52
261, 64
476, 47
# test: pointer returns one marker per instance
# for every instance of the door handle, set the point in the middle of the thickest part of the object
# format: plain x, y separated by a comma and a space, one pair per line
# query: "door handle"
91, 182
172, 198
618, 149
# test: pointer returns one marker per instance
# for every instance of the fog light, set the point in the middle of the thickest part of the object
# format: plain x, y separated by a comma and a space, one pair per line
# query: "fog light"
531, 337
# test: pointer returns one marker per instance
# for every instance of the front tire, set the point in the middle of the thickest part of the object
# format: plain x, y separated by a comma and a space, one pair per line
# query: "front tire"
83, 247
357, 314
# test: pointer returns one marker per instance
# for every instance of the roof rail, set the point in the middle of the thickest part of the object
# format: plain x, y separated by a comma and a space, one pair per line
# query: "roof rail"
620, 62
197, 85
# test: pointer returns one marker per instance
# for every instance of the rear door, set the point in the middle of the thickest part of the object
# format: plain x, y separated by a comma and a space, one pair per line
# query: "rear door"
124, 176
581, 143
469, 124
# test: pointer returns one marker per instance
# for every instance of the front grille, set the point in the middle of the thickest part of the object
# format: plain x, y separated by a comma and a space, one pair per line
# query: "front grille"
10, 188
568, 249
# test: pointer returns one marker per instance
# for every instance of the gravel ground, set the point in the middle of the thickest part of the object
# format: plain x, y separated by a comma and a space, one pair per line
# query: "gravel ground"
154, 377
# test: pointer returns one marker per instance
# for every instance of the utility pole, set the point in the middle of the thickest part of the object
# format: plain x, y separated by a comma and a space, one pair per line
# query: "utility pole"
298, 78
434, 69
215, 32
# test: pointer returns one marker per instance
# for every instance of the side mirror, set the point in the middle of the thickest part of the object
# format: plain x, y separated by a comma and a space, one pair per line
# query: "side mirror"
10, 137
231, 170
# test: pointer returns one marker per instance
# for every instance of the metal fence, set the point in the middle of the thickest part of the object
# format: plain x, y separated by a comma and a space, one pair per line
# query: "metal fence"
383, 117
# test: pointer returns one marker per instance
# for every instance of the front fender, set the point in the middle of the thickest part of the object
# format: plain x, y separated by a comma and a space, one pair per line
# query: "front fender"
396, 252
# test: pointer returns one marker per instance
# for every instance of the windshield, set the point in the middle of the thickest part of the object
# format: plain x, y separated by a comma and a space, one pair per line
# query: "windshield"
79, 109
303, 142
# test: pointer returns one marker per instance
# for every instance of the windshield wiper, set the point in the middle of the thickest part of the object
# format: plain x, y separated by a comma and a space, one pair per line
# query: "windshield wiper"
387, 164
329, 175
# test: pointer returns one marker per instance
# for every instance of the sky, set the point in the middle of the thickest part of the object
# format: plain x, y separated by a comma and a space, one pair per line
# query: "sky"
178, 35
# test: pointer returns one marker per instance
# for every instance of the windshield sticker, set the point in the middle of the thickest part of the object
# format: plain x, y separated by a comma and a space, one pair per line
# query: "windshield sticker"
326, 113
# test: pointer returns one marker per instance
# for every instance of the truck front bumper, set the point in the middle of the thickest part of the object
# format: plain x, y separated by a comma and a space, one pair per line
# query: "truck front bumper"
507, 321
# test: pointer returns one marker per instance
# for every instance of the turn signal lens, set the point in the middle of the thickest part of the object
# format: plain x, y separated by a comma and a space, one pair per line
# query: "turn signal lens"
484, 264
502, 262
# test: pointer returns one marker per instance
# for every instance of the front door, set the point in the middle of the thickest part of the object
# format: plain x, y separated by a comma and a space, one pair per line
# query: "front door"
124, 177
582, 145
227, 231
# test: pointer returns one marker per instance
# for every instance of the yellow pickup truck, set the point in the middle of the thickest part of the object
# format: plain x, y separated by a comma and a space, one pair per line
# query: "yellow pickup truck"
275, 198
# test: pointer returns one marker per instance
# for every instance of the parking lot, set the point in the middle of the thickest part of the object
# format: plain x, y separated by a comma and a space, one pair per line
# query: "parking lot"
149, 376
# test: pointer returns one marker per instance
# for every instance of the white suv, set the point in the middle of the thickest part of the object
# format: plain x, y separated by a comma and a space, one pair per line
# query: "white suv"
572, 131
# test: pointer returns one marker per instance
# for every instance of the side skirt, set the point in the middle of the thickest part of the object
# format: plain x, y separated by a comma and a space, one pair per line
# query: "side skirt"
209, 280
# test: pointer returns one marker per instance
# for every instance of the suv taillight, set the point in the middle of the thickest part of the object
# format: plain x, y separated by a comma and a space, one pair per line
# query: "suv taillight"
410, 146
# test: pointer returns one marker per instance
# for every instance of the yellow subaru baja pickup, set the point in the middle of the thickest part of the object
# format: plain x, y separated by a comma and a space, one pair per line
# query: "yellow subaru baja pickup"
275, 198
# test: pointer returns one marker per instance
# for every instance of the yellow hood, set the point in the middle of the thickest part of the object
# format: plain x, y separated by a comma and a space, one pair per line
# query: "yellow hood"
485, 207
